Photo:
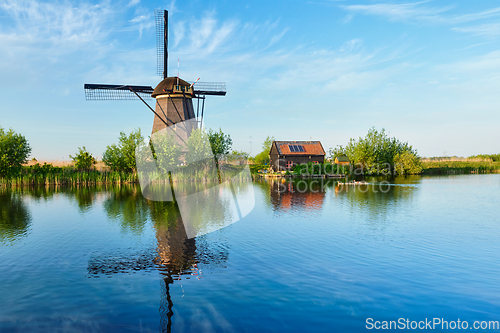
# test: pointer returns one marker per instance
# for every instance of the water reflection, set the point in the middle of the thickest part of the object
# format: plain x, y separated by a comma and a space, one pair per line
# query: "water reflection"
174, 254
288, 195
15, 218
127, 206
298, 194
380, 196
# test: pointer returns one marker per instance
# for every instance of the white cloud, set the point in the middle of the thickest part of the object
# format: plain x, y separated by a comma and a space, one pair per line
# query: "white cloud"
133, 3
347, 19
179, 31
58, 22
418, 12
490, 30
276, 38
484, 64
140, 23
398, 12
494, 12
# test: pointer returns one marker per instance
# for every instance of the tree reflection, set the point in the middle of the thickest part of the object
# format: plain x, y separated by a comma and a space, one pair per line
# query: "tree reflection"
126, 205
15, 218
379, 197
310, 194
84, 196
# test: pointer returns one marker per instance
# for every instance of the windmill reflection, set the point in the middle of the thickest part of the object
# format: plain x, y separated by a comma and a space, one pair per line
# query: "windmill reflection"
174, 253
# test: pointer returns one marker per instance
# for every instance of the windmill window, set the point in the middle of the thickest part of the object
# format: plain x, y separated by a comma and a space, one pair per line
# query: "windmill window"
296, 148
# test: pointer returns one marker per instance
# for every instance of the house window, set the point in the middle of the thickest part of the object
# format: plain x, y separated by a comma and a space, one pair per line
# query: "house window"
289, 164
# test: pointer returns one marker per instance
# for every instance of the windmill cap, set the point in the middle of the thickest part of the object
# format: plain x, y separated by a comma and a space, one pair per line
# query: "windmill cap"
168, 84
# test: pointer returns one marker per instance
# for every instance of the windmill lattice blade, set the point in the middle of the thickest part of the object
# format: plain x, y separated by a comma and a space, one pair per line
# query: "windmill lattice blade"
100, 92
210, 88
160, 41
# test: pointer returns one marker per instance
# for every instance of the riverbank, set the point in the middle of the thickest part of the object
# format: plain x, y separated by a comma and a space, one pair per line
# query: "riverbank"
459, 167
69, 177
51, 175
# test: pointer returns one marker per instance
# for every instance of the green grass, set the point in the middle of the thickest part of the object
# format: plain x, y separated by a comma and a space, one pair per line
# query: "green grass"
49, 175
459, 167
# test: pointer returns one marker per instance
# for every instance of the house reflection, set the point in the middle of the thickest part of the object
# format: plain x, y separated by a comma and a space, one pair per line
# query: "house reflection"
301, 194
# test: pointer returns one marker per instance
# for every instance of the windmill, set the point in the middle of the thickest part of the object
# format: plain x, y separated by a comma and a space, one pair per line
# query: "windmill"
174, 96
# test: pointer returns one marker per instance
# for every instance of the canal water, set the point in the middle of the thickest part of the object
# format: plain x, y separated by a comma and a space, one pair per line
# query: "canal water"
310, 257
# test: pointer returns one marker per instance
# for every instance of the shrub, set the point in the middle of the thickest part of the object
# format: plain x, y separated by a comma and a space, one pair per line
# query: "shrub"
83, 160
14, 152
376, 153
121, 157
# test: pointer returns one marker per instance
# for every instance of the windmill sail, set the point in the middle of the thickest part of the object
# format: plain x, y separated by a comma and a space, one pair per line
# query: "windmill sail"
210, 88
161, 19
174, 100
106, 92
103, 92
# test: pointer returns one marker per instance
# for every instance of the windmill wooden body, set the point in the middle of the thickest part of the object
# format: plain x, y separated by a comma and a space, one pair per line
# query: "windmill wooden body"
174, 96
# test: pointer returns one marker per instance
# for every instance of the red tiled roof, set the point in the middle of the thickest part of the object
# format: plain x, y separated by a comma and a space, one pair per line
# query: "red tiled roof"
310, 147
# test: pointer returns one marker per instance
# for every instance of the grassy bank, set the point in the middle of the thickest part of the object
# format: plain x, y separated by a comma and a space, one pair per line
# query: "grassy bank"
69, 178
459, 167
48, 174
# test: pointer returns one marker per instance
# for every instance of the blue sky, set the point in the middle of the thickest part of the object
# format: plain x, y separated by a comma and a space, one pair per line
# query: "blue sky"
428, 71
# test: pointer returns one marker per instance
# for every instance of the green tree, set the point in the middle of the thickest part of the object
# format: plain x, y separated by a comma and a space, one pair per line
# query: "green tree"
268, 142
377, 153
166, 151
406, 163
14, 152
83, 160
121, 156
336, 152
263, 156
198, 147
237, 155
221, 143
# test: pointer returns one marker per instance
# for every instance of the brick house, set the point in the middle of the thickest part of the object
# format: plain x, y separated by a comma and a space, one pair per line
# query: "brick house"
286, 154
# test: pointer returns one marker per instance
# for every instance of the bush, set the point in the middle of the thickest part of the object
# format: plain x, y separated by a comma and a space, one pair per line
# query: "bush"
121, 157
376, 153
83, 160
14, 152
262, 158
406, 163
